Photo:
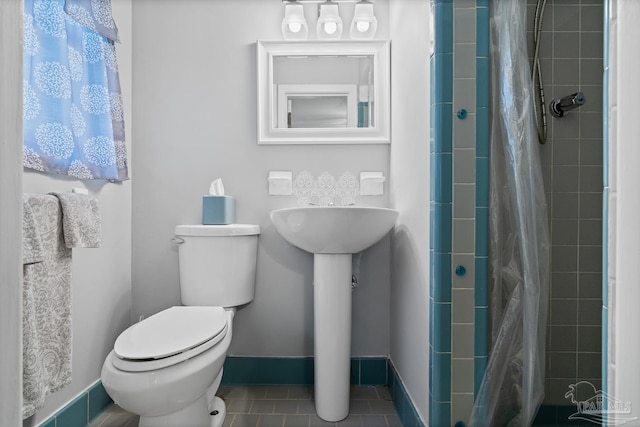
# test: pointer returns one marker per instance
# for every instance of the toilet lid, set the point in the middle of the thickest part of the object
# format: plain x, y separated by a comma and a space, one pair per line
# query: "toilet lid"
170, 332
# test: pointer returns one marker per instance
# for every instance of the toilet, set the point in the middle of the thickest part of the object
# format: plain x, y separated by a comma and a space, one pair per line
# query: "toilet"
168, 367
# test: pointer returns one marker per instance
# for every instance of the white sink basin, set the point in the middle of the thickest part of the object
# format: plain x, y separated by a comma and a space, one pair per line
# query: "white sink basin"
332, 229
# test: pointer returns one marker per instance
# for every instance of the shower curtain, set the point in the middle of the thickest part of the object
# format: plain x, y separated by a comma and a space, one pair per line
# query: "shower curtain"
513, 385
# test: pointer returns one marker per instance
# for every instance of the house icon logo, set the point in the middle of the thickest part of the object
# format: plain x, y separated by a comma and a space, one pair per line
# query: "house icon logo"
597, 406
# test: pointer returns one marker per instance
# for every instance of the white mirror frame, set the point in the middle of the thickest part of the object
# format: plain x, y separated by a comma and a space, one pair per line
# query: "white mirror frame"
269, 133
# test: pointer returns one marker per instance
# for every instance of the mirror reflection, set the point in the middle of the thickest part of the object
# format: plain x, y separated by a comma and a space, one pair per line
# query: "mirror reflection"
323, 91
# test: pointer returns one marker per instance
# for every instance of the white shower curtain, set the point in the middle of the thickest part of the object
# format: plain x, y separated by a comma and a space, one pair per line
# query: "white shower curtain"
513, 386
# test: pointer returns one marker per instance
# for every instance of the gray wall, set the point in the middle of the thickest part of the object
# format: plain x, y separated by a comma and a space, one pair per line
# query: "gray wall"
571, 60
194, 121
101, 278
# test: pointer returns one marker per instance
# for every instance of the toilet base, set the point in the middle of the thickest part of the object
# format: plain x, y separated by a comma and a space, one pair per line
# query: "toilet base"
218, 411
198, 414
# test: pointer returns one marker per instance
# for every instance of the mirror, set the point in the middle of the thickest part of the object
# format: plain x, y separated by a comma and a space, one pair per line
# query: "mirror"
323, 92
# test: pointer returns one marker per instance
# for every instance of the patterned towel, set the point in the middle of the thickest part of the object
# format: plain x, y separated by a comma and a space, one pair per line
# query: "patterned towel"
81, 220
31, 244
47, 304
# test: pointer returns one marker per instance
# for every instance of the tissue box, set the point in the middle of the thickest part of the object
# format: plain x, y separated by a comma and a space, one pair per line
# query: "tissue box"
218, 210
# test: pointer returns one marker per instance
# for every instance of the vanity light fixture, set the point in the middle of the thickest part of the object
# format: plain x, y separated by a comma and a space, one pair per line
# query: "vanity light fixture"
294, 25
364, 24
329, 22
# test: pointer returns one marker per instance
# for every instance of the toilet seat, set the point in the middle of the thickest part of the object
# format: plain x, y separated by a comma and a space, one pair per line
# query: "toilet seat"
169, 337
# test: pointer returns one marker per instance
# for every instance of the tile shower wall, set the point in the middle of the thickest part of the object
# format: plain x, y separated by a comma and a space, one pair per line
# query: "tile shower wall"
571, 60
459, 203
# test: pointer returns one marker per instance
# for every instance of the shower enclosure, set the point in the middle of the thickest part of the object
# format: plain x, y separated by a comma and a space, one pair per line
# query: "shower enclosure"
545, 211
513, 385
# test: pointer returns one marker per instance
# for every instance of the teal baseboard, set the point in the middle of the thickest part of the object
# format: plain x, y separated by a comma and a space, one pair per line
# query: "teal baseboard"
81, 410
406, 411
240, 370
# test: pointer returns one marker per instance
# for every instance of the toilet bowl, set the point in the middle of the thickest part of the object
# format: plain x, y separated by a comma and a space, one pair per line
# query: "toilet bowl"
168, 367
165, 385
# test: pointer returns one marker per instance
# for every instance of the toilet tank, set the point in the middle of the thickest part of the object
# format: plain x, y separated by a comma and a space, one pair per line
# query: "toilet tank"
217, 263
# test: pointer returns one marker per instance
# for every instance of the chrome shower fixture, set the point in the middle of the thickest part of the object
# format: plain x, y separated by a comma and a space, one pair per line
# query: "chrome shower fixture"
560, 106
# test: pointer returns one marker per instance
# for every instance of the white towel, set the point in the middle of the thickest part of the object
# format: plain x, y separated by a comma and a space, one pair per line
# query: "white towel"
47, 305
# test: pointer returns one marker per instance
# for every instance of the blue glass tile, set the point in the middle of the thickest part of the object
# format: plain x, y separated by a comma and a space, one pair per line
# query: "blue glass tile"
481, 294
482, 232
410, 416
398, 399
432, 80
75, 413
373, 371
482, 132
440, 413
355, 371
432, 325
605, 346
605, 248
605, 129
444, 28
479, 368
482, 82
482, 182
51, 422
443, 114
443, 77
267, 370
442, 327
432, 270
443, 177
441, 373
441, 268
99, 400
433, 182
481, 331
482, 31
482, 3
442, 228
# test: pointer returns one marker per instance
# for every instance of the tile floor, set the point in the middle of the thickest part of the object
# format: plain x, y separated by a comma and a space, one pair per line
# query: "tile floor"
283, 406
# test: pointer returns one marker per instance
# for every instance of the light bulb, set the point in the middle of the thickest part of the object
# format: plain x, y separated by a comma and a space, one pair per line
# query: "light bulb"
295, 27
330, 27
363, 26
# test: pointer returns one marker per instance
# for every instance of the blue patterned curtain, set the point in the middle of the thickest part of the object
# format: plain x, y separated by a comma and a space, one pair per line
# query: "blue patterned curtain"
73, 117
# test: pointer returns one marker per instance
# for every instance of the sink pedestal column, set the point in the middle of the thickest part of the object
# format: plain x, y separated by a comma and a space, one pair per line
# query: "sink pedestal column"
332, 334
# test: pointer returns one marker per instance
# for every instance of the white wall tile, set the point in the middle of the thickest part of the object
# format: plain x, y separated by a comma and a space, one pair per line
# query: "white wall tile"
464, 165
462, 306
461, 407
464, 196
464, 236
462, 375
464, 94
464, 131
468, 262
464, 25
462, 340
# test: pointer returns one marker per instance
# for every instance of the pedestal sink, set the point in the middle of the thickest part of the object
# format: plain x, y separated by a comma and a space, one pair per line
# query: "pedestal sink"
332, 235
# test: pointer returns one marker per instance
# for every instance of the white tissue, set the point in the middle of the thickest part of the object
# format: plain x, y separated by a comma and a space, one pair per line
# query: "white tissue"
216, 188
